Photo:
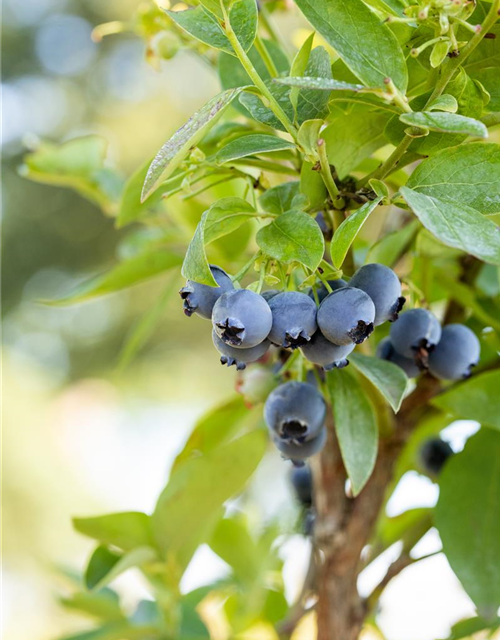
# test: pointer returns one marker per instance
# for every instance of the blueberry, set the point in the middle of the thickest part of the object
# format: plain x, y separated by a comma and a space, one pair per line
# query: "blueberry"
386, 351
296, 450
433, 455
200, 298
239, 357
416, 334
295, 410
242, 318
322, 291
301, 479
383, 287
294, 319
456, 353
309, 520
326, 230
270, 293
326, 354
346, 316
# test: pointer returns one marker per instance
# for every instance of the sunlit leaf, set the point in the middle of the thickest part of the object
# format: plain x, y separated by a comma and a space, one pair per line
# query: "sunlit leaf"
467, 517
458, 226
175, 150
345, 235
355, 426
387, 377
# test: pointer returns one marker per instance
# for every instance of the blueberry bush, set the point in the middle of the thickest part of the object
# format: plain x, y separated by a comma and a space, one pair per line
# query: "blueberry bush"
379, 118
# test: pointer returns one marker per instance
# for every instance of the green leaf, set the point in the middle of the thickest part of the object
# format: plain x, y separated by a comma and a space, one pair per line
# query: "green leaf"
467, 517
387, 377
119, 632
456, 225
312, 103
467, 297
175, 150
476, 399
490, 79
299, 65
227, 215
123, 530
486, 54
192, 627
195, 266
197, 490
446, 102
308, 136
293, 237
232, 74
260, 112
204, 26
78, 164
125, 274
103, 605
355, 426
391, 7
439, 52
405, 526
100, 564
312, 186
216, 427
380, 188
352, 138
391, 247
282, 198
346, 233
251, 145
469, 627
468, 174
366, 45
318, 84
445, 122
133, 558
470, 104
232, 542
144, 329
131, 208
223, 217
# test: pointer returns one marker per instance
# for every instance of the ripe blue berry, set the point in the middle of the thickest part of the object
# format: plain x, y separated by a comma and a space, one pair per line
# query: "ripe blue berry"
295, 411
416, 334
270, 293
309, 521
326, 230
456, 353
383, 287
294, 319
346, 316
322, 291
433, 455
385, 351
237, 356
299, 450
326, 354
242, 318
302, 483
200, 298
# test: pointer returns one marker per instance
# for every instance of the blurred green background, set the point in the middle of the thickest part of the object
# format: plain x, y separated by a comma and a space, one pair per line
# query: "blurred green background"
82, 436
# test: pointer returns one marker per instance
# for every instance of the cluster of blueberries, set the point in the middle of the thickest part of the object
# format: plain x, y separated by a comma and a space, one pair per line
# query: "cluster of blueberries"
417, 343
325, 324
245, 323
